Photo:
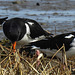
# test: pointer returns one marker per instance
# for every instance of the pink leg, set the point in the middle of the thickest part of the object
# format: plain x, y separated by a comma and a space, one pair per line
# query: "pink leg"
39, 55
37, 52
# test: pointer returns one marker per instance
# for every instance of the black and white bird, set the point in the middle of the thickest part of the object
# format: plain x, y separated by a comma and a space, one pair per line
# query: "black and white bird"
23, 31
50, 45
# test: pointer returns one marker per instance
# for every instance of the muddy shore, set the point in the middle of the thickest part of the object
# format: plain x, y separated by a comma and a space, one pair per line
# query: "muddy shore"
53, 15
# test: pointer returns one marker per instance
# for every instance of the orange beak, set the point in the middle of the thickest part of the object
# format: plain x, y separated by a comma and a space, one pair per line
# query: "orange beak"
14, 46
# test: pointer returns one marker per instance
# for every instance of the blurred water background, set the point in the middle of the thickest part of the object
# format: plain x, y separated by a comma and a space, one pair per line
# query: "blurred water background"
56, 16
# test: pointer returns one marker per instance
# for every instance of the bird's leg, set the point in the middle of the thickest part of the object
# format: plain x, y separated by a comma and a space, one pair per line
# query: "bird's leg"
37, 52
38, 60
39, 55
14, 45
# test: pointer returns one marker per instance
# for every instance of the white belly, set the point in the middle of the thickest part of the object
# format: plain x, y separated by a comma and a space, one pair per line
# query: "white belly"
50, 53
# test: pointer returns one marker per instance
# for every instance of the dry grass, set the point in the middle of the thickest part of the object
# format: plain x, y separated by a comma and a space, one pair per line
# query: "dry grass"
19, 64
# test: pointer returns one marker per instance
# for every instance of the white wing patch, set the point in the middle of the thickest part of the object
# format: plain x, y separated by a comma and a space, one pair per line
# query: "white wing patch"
38, 38
69, 36
34, 47
27, 29
73, 43
31, 23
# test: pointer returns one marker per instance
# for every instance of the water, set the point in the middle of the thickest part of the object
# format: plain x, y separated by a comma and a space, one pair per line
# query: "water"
51, 13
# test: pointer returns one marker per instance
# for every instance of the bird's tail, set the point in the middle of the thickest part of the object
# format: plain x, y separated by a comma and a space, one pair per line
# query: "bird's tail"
2, 20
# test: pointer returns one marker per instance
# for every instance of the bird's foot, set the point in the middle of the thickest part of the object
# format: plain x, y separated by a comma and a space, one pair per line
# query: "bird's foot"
39, 56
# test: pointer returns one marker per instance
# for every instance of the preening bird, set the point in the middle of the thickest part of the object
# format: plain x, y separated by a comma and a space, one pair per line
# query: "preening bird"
50, 45
23, 31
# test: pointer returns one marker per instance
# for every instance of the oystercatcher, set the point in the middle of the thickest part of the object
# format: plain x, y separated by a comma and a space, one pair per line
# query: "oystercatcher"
50, 45
23, 31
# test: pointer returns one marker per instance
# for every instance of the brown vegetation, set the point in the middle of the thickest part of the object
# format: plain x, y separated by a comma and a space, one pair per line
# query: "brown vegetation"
19, 64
